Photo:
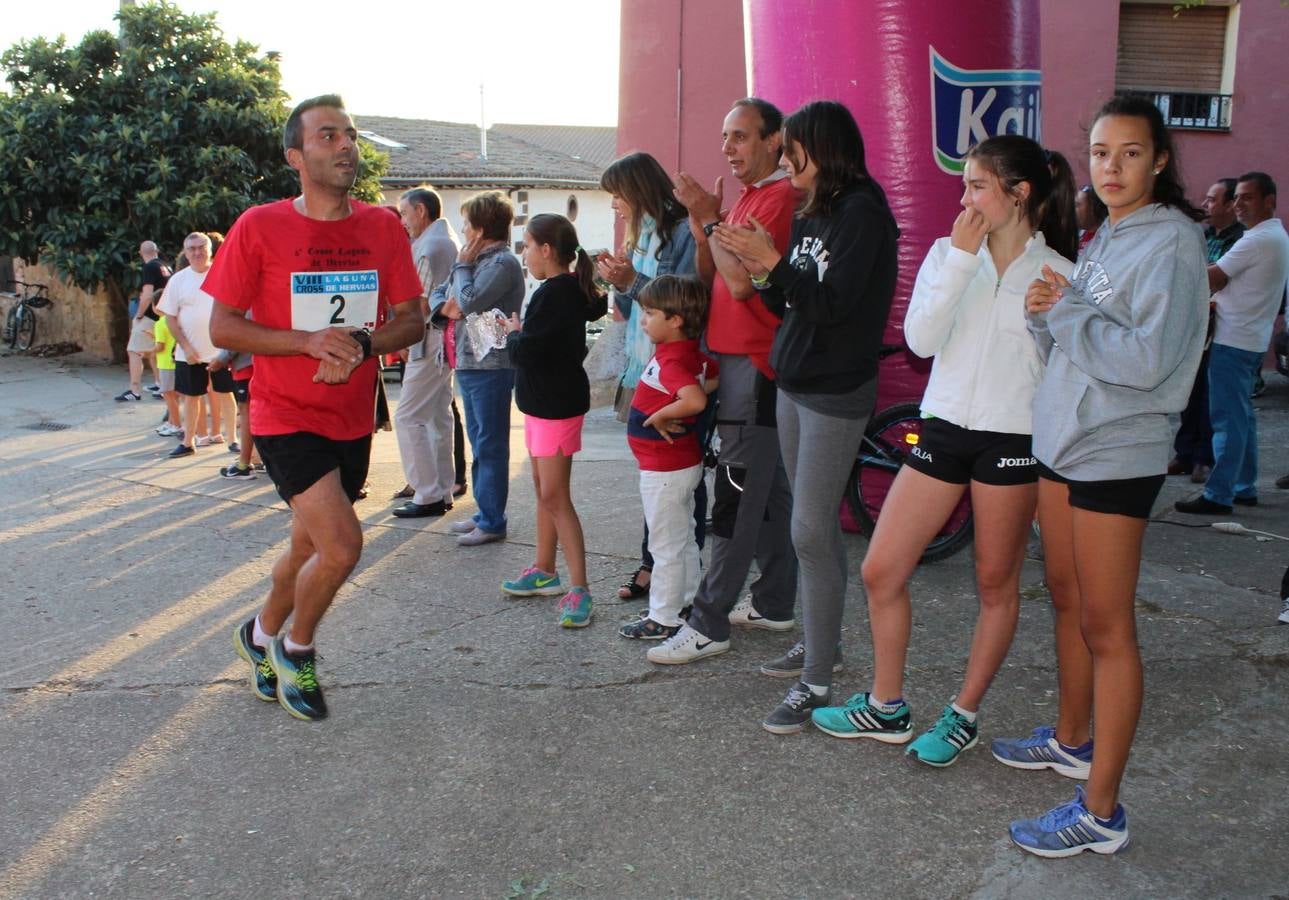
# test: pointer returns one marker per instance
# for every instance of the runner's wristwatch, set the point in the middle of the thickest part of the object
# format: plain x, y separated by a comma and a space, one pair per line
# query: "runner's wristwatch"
363, 338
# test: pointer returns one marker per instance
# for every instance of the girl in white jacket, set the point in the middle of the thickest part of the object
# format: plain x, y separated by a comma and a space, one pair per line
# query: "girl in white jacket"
968, 311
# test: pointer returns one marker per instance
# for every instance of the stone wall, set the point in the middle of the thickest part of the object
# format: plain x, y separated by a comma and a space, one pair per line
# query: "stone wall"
90, 320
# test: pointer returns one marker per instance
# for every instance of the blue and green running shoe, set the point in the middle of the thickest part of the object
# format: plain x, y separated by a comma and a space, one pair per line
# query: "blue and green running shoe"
263, 681
533, 583
946, 740
575, 608
1041, 750
1070, 829
858, 718
297, 682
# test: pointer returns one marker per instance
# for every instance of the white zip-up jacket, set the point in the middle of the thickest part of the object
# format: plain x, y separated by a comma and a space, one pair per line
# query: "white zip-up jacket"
986, 366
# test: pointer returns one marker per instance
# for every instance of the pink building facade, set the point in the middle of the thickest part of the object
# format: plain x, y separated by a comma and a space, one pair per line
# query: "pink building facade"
683, 62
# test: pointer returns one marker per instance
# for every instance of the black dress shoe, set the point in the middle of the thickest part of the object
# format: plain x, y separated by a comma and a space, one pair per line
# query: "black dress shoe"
181, 450
411, 510
1245, 501
1202, 506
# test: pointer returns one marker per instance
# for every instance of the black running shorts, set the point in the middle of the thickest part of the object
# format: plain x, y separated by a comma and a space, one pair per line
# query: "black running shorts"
242, 390
298, 460
957, 455
1132, 497
221, 382
191, 379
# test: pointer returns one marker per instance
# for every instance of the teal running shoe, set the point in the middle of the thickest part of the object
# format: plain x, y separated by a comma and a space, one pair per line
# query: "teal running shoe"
1070, 829
858, 718
297, 682
533, 583
263, 681
946, 740
575, 608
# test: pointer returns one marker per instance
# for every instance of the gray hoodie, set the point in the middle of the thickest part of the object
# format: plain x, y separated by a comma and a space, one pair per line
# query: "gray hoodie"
1122, 346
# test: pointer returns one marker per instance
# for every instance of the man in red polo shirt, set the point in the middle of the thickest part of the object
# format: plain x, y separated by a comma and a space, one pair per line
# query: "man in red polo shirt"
752, 507
317, 273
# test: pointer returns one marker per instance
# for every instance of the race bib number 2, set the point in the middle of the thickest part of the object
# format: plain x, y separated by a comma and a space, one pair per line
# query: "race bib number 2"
334, 299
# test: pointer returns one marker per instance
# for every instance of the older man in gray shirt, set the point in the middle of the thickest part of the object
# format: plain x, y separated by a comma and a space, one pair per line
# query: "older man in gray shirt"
423, 421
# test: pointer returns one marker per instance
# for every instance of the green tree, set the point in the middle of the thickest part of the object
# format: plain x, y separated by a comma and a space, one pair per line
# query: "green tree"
166, 129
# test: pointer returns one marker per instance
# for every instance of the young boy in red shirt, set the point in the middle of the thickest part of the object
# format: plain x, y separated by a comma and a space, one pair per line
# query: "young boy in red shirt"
672, 392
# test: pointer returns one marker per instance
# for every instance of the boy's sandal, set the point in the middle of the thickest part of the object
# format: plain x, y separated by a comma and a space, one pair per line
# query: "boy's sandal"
632, 589
647, 629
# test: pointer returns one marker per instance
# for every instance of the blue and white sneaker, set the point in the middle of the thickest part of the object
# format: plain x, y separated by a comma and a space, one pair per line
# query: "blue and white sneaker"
1041, 750
1070, 829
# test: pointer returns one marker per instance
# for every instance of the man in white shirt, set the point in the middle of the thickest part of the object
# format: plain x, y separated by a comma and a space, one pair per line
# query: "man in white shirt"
1248, 284
187, 310
423, 420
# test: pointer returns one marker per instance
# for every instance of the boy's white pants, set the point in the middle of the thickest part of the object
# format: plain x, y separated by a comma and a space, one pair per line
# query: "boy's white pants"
668, 500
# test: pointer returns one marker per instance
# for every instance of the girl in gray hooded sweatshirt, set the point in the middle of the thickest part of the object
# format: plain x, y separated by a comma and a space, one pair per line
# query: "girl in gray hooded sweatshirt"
1122, 344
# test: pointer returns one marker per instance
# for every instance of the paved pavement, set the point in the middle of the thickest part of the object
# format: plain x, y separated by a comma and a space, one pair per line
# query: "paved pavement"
477, 750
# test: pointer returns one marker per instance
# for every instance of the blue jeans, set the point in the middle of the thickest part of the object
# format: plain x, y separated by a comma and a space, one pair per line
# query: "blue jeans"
485, 396
1231, 373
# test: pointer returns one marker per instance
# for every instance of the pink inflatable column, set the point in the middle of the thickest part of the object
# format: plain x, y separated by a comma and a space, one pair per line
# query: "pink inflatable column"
925, 79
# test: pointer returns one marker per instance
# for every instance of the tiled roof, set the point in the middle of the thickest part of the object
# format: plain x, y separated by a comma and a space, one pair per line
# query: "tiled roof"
595, 144
448, 153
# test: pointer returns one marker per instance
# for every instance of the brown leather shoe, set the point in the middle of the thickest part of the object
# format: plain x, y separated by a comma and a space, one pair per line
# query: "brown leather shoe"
1199, 475
1177, 467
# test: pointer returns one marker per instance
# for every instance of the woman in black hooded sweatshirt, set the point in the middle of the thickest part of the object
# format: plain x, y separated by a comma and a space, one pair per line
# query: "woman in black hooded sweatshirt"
833, 289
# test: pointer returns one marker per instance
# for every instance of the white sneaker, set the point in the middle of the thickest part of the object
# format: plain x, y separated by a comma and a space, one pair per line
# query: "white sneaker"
685, 646
205, 440
478, 536
1284, 613
165, 429
745, 615
465, 526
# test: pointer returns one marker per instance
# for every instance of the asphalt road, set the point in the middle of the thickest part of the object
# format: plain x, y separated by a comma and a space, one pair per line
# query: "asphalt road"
475, 749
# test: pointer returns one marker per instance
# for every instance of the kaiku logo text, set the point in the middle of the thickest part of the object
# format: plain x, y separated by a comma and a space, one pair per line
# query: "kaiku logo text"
968, 106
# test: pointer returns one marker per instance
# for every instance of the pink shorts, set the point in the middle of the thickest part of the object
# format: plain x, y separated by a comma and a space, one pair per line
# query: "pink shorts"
552, 437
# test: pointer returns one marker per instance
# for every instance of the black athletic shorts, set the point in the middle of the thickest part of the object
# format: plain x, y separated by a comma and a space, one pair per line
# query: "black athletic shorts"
242, 390
221, 382
298, 460
957, 455
191, 379
1118, 497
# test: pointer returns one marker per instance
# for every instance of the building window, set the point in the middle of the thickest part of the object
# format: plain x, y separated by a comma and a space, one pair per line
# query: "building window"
572, 207
1183, 60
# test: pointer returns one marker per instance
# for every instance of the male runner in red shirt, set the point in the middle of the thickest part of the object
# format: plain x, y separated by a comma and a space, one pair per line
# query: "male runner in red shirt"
318, 273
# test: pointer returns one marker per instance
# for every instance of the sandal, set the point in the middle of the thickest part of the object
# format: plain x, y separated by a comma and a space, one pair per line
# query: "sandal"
632, 589
647, 629
404, 494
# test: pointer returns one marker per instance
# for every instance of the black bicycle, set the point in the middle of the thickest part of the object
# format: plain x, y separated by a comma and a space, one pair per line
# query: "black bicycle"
887, 440
20, 324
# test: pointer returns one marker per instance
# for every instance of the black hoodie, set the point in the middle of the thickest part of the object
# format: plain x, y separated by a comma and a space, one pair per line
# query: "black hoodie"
833, 289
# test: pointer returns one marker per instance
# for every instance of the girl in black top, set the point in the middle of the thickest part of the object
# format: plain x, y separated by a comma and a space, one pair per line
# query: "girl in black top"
833, 290
552, 391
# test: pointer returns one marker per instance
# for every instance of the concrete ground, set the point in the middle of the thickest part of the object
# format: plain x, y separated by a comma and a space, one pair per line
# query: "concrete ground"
475, 749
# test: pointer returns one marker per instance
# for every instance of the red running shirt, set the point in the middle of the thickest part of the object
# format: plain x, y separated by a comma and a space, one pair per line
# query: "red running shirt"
293, 272
674, 366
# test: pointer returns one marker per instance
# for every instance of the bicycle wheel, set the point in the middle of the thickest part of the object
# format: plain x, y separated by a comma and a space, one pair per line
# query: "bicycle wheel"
24, 328
881, 454
11, 326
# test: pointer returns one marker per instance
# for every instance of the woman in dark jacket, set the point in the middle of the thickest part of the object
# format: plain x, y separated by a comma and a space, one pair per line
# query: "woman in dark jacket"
834, 290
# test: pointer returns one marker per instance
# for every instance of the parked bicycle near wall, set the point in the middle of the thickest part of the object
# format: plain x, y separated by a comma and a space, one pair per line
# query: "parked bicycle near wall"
20, 324
891, 435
